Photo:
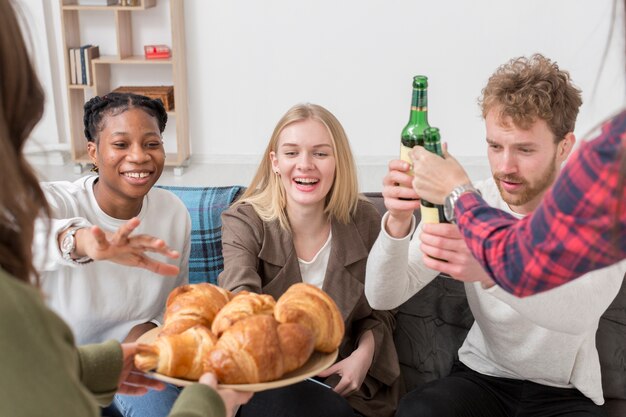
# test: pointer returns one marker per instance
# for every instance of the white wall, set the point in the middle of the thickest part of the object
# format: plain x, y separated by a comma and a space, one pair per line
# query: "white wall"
49, 134
250, 60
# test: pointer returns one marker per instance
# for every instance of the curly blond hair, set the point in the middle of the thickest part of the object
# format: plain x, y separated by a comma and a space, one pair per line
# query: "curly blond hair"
528, 89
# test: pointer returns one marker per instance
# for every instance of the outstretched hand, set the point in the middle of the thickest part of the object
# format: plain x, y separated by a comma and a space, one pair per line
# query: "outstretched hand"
435, 177
133, 381
232, 399
122, 248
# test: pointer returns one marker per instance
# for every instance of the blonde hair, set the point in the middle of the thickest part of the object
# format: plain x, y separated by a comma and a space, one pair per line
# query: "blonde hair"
266, 193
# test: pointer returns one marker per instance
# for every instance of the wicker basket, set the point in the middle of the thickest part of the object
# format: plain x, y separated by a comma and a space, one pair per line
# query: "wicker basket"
165, 93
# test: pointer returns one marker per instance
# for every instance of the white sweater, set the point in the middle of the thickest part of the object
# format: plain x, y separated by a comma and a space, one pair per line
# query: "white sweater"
548, 338
103, 300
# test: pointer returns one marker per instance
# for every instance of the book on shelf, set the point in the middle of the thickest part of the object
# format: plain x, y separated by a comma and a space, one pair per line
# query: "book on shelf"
89, 53
78, 66
83, 64
81, 71
72, 65
98, 2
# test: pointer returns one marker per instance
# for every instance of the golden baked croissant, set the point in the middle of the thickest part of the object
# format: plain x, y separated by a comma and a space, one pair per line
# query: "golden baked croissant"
193, 304
241, 306
259, 349
310, 306
177, 355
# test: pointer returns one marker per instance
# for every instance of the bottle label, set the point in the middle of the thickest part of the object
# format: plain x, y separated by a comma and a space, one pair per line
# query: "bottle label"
404, 155
429, 214
416, 108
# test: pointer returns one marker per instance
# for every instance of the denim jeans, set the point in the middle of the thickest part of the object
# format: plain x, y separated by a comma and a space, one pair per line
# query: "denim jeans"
152, 404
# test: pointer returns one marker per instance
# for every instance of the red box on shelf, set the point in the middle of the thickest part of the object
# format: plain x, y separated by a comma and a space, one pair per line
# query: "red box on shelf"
156, 51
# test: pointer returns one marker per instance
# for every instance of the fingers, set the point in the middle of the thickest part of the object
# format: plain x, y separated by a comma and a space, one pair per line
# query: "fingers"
209, 379
345, 386
419, 153
99, 236
122, 234
443, 241
397, 177
446, 230
127, 389
329, 371
160, 268
398, 191
399, 165
139, 379
232, 399
149, 243
437, 264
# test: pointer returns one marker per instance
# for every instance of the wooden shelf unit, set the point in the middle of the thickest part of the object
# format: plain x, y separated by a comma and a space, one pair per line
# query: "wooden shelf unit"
101, 70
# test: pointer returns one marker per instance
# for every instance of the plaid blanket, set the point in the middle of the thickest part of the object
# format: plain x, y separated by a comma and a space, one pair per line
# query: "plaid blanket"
205, 205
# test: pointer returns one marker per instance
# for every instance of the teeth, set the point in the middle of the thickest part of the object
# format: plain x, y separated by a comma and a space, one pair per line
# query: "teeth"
137, 174
306, 180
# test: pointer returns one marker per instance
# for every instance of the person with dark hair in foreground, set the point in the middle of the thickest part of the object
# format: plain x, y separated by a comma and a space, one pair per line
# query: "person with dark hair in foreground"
43, 372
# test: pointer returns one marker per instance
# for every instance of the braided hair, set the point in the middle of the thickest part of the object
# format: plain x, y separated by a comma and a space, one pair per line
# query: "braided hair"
117, 103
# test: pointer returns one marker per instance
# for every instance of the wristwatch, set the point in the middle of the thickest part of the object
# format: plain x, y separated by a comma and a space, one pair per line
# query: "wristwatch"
451, 199
68, 245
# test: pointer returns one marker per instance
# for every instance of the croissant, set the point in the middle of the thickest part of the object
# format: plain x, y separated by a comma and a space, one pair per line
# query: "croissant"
193, 304
241, 306
310, 306
177, 355
259, 349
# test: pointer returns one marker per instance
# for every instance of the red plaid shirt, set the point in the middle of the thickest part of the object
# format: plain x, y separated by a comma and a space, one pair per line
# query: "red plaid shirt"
573, 231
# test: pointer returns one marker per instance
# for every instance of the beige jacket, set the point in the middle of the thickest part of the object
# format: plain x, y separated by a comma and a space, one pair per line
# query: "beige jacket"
260, 257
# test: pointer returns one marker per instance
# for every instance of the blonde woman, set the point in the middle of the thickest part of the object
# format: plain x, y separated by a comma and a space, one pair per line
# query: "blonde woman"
302, 220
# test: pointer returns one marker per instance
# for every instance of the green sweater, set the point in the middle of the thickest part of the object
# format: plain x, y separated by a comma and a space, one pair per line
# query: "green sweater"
43, 373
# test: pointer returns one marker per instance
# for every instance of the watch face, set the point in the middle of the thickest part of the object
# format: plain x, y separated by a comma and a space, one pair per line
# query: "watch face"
448, 209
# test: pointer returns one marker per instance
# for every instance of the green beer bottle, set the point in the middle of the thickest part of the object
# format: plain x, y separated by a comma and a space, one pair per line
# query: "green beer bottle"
432, 213
413, 133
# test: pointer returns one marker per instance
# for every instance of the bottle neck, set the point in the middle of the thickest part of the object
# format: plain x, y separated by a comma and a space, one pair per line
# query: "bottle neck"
419, 107
433, 146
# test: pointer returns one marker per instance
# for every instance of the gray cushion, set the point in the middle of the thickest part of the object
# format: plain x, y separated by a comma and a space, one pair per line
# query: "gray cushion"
611, 343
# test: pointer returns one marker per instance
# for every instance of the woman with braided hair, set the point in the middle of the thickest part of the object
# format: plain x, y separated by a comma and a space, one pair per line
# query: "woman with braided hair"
114, 216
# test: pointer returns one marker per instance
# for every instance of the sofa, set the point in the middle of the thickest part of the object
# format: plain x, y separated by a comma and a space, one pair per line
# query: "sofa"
430, 326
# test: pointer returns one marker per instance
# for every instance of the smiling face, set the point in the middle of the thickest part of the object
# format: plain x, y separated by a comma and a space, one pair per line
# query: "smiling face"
524, 163
305, 160
129, 155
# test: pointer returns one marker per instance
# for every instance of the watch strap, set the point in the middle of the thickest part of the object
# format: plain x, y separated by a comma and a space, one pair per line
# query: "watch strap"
67, 252
453, 197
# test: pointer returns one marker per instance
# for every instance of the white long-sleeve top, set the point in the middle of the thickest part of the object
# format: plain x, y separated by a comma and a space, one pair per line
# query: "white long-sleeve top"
103, 300
548, 338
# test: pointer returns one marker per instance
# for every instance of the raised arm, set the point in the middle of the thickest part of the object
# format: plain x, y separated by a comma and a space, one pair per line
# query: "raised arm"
395, 270
573, 231
241, 245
